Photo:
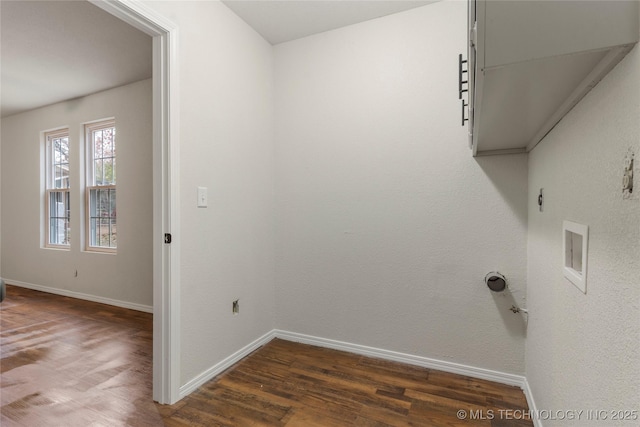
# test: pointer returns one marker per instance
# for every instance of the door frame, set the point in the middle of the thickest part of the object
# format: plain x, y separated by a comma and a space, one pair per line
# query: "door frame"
166, 257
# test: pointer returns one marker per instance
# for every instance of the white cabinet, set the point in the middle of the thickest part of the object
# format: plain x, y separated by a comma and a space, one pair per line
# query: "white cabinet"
530, 62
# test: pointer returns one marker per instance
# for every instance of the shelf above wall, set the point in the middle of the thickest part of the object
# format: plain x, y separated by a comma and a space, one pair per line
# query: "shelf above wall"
531, 62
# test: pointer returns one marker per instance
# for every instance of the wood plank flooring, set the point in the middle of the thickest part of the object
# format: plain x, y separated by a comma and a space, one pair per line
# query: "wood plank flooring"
292, 384
66, 362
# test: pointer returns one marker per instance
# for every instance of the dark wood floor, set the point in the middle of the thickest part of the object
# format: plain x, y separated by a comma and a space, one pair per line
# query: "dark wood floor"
292, 384
67, 362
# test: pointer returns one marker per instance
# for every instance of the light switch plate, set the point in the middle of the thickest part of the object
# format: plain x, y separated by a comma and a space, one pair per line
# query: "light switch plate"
202, 197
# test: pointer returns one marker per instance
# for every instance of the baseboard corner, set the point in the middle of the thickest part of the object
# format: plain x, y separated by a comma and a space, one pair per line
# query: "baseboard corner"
224, 364
533, 409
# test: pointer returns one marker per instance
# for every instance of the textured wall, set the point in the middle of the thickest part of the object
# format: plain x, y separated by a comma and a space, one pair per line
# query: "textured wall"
126, 276
582, 350
226, 145
386, 226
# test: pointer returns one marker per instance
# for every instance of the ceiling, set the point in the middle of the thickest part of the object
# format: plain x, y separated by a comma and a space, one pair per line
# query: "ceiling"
53, 51
280, 21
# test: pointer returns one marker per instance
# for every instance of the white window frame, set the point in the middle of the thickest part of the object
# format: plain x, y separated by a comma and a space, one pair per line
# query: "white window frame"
90, 128
50, 188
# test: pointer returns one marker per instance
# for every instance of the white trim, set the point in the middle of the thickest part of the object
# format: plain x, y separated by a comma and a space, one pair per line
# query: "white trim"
82, 296
138, 15
166, 203
475, 98
500, 152
225, 364
425, 362
533, 409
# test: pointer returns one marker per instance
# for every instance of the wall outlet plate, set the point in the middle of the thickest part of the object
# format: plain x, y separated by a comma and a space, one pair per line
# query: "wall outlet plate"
575, 244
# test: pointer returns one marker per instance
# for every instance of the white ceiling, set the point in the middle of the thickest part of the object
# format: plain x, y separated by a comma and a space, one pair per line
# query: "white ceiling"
54, 50
279, 21
58, 50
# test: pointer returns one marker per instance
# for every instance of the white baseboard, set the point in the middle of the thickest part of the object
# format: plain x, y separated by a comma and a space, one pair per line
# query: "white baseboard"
425, 362
223, 365
533, 409
79, 295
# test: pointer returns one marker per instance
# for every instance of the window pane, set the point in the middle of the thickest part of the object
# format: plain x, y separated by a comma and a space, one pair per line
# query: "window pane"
97, 170
112, 203
57, 181
58, 164
97, 141
112, 237
63, 149
107, 143
103, 228
57, 177
59, 217
93, 232
61, 173
102, 220
102, 195
104, 153
108, 171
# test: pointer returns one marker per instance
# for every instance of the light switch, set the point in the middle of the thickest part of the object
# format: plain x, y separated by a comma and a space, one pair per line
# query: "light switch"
202, 197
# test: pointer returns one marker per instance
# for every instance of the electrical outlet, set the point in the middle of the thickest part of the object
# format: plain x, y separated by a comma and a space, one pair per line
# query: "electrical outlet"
235, 307
541, 200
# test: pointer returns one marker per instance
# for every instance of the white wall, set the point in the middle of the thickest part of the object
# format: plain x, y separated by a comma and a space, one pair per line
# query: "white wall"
126, 276
386, 226
226, 145
383, 225
582, 349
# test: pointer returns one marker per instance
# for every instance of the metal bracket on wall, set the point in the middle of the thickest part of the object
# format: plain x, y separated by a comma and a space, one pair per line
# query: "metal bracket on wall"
464, 119
461, 71
461, 85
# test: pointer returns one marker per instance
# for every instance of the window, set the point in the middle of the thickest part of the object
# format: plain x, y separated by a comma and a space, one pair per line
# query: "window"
101, 186
57, 189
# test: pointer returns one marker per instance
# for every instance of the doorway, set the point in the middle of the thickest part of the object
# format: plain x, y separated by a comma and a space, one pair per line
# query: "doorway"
166, 236
165, 170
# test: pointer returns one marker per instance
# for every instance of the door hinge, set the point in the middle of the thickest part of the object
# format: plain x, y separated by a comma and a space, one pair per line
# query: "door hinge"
167, 238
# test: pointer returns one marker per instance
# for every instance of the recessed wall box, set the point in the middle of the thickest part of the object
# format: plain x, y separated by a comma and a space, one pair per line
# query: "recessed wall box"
575, 238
